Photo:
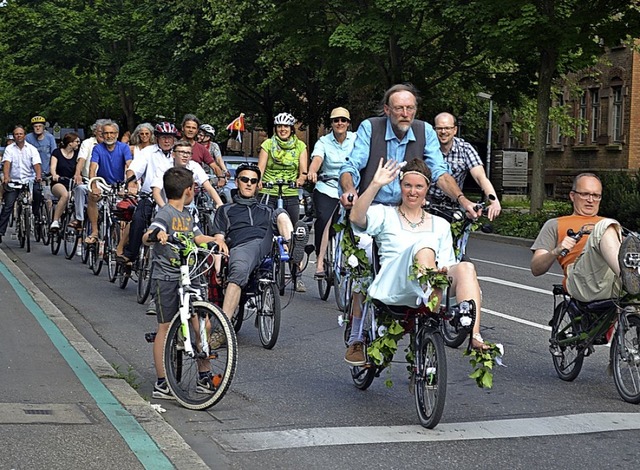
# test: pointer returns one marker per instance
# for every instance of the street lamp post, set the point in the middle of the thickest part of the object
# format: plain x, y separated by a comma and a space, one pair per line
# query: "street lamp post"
487, 96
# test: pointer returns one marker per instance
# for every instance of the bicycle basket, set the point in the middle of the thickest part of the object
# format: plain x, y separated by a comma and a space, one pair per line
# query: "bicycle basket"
124, 209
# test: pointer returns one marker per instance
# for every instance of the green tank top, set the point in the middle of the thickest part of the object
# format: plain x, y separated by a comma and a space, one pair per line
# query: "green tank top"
282, 164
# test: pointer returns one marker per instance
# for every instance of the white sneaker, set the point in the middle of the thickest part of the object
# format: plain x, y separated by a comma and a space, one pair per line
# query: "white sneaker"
55, 225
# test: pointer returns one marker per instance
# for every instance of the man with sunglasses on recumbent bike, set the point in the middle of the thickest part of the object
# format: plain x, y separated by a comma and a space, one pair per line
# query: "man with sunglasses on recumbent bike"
244, 231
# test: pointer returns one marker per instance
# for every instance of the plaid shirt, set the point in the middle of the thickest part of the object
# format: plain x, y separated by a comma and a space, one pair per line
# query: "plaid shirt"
461, 158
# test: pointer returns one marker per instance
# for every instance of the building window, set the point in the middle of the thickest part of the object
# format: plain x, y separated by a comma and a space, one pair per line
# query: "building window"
582, 115
558, 139
616, 113
594, 122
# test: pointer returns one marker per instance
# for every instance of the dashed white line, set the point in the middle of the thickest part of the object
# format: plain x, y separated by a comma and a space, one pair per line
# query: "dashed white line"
498, 429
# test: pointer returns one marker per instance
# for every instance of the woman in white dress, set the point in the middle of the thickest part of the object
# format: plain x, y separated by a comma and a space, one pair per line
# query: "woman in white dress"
408, 234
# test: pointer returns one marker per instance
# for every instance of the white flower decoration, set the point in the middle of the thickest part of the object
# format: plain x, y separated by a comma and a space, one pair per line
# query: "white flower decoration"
353, 261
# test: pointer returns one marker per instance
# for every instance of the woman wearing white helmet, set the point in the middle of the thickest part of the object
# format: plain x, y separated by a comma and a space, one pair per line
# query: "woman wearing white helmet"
284, 157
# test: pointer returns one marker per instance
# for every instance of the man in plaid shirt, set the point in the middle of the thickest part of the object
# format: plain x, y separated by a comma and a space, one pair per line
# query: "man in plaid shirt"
462, 158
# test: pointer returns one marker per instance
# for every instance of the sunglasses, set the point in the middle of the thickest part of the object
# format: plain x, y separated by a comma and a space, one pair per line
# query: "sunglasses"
246, 179
340, 119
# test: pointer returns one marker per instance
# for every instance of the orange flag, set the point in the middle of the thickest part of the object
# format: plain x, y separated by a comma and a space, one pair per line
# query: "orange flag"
237, 125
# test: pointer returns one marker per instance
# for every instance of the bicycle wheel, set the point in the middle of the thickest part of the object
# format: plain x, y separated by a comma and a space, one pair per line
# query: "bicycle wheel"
84, 247
278, 268
45, 223
20, 225
110, 246
625, 359
71, 239
567, 358
362, 376
268, 317
341, 277
430, 377
37, 227
28, 217
144, 270
324, 284
182, 371
58, 235
453, 334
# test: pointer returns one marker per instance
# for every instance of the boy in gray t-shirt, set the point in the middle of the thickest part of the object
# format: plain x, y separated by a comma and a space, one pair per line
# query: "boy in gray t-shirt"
172, 218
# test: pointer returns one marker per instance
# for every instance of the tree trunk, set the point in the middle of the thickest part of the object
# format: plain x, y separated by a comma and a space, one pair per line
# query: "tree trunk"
546, 72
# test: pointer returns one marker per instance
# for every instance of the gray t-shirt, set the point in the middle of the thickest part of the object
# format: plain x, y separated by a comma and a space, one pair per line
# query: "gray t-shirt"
548, 236
166, 259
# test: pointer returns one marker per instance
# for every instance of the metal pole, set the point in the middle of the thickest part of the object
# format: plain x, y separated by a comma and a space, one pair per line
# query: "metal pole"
489, 139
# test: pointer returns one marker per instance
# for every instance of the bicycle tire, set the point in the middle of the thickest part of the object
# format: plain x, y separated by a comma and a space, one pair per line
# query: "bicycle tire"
453, 335
626, 363
110, 246
182, 370
144, 271
325, 283
124, 272
84, 252
278, 269
37, 229
362, 376
27, 229
71, 239
268, 316
45, 223
21, 227
567, 359
341, 280
58, 235
430, 376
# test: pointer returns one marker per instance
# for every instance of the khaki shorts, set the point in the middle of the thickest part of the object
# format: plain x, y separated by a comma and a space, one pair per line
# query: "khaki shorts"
590, 278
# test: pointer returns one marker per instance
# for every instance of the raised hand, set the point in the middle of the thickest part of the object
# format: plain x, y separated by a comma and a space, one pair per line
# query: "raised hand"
386, 172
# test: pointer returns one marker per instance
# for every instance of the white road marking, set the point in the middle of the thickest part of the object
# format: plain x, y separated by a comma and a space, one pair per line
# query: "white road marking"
515, 284
510, 266
498, 429
516, 319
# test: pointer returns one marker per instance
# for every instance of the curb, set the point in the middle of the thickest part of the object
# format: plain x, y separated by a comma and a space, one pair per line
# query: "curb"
166, 438
527, 242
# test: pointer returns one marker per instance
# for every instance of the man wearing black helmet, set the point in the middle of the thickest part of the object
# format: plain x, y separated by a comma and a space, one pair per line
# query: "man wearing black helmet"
244, 230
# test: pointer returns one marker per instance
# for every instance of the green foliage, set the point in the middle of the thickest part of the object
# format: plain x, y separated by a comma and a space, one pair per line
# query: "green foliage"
522, 224
482, 362
621, 198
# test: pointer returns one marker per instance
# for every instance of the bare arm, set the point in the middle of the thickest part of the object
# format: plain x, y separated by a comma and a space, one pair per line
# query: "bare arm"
212, 192
303, 164
481, 178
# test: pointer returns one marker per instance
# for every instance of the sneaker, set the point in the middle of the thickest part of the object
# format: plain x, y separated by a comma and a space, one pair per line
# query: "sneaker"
300, 287
629, 259
217, 339
205, 385
55, 225
299, 239
355, 354
151, 308
162, 391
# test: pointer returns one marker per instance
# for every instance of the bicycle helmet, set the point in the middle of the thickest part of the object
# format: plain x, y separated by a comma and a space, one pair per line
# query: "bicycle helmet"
165, 128
249, 166
38, 120
284, 119
208, 129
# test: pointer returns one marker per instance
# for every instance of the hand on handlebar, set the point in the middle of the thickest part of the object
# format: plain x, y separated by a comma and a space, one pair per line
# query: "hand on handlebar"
302, 179
567, 243
472, 210
493, 209
312, 177
347, 199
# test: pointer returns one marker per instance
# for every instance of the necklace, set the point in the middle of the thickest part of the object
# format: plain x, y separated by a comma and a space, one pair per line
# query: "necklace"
412, 224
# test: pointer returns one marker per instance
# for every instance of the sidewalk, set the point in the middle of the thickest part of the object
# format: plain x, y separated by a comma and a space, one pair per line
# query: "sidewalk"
63, 406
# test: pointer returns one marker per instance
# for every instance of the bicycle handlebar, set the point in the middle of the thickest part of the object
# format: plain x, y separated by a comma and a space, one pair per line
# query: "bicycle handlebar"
576, 236
280, 184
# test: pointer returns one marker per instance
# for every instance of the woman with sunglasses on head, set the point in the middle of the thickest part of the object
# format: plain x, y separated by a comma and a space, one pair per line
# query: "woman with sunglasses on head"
284, 157
142, 137
63, 167
328, 155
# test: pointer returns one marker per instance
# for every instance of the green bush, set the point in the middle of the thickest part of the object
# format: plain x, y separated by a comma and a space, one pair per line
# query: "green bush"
524, 225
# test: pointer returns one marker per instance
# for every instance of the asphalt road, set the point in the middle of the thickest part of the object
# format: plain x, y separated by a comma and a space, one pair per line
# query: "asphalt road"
295, 406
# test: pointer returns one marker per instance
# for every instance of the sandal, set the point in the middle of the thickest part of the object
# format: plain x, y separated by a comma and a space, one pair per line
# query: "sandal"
91, 240
478, 343
319, 276
122, 259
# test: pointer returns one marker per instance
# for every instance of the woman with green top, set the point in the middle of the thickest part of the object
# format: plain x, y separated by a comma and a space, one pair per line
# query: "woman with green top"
284, 157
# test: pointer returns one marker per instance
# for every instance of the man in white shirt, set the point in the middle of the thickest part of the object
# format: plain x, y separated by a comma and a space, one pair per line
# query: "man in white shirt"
21, 165
149, 161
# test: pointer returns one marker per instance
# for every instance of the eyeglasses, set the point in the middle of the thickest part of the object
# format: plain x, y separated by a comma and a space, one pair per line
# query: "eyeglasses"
399, 109
448, 128
247, 180
595, 197
182, 152
339, 119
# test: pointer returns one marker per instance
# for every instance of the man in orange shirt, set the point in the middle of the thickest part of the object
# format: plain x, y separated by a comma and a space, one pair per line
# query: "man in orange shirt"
597, 264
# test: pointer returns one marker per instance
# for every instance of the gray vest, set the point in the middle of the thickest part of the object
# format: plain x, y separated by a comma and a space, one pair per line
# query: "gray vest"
378, 148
